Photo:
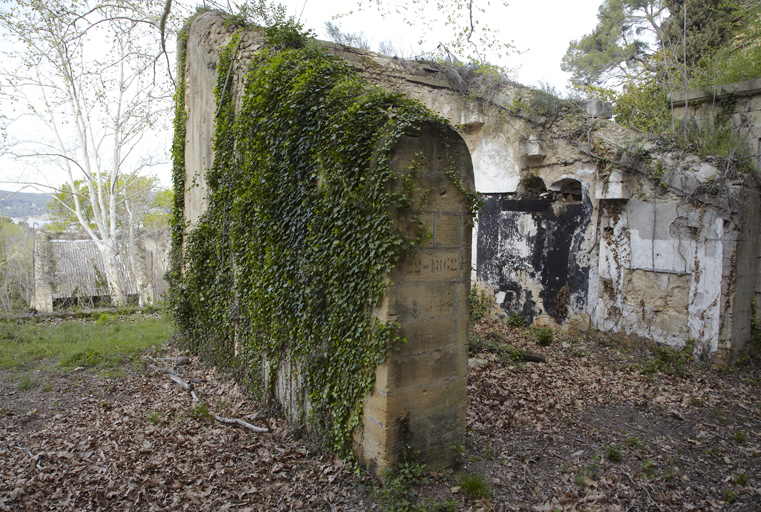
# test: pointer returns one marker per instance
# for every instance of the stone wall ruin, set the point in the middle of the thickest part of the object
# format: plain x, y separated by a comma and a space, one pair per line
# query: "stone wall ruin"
585, 227
588, 228
420, 394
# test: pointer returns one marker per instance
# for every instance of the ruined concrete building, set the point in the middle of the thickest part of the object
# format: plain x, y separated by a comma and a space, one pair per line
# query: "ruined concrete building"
586, 226
69, 271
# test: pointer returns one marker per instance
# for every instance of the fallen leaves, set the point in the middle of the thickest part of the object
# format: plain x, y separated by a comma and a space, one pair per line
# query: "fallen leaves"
538, 432
141, 449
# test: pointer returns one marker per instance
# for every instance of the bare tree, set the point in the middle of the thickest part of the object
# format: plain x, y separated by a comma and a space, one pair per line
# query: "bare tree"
86, 82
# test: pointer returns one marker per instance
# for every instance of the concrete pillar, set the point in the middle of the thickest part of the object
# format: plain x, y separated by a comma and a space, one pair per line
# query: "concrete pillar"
420, 394
42, 300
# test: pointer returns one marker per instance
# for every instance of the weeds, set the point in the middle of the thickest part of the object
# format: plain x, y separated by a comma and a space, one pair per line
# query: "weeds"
669, 360
155, 418
105, 318
25, 382
476, 343
478, 304
475, 486
740, 437
544, 336
87, 358
398, 491
201, 412
516, 320
613, 453
492, 344
516, 354
648, 468
740, 479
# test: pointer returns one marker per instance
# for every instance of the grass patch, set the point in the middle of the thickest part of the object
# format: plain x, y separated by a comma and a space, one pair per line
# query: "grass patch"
25, 382
73, 343
475, 486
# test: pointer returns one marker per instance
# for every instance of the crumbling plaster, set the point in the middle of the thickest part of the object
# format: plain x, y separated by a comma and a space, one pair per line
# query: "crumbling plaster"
646, 254
663, 268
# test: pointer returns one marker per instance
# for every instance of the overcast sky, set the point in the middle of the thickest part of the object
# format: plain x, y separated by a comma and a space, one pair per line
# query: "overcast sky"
540, 30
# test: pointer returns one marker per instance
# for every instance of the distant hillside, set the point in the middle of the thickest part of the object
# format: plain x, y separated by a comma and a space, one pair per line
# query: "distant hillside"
23, 204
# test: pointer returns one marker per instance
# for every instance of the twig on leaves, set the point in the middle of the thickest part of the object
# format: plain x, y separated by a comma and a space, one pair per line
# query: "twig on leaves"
184, 385
227, 421
245, 424
643, 488
161, 370
525, 468
177, 361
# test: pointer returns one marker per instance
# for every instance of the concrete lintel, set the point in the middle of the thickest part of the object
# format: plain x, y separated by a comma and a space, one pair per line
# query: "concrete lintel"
746, 88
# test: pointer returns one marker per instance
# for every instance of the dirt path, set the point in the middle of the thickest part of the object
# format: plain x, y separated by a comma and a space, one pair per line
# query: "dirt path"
582, 432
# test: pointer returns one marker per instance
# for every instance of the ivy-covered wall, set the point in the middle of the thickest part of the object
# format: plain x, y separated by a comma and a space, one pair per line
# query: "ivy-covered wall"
322, 235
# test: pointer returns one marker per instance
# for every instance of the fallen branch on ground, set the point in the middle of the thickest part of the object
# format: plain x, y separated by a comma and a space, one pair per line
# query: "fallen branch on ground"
227, 421
161, 370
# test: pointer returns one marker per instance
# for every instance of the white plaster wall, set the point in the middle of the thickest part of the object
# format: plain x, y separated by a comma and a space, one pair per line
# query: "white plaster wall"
705, 293
642, 257
495, 166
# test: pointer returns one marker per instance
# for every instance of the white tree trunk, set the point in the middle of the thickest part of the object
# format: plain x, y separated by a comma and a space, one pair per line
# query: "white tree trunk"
113, 274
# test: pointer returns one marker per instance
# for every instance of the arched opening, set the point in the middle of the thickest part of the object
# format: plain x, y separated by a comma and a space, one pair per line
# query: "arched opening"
567, 190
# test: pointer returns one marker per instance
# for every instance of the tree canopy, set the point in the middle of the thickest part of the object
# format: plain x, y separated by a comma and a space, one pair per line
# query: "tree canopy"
674, 40
620, 47
86, 78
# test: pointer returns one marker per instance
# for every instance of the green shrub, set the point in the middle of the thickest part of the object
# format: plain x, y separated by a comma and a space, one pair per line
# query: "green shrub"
544, 336
516, 320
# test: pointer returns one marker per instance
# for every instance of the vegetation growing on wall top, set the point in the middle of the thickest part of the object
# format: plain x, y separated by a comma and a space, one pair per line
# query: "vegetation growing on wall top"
305, 220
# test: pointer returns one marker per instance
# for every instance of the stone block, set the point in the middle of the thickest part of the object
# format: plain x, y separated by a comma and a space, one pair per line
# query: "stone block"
432, 265
449, 230
597, 108
680, 180
615, 187
532, 149
430, 399
419, 370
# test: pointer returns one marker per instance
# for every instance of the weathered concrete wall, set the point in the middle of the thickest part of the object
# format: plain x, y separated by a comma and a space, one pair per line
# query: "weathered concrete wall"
421, 389
562, 256
420, 392
644, 252
741, 101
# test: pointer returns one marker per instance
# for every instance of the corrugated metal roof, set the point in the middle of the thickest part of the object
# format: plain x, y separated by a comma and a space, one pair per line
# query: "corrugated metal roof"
78, 270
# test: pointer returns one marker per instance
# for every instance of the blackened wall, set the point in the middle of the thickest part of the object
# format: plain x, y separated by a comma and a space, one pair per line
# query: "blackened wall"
529, 252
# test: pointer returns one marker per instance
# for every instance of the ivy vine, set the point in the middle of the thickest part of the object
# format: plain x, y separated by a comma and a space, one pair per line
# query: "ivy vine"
302, 228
